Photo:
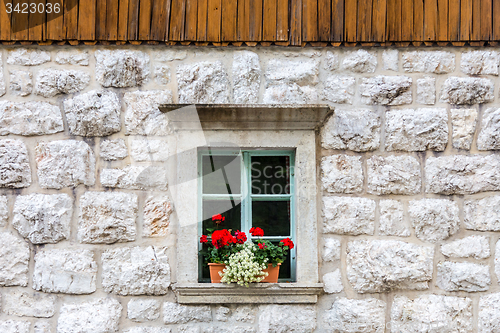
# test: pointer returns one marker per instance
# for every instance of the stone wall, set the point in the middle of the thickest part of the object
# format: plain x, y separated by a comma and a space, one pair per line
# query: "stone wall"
408, 171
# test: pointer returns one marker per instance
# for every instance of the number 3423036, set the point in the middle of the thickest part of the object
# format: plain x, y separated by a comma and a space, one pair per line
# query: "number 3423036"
25, 8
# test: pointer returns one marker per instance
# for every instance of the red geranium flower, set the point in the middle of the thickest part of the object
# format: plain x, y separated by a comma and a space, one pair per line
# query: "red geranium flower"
287, 242
221, 238
257, 232
262, 246
218, 219
241, 237
203, 239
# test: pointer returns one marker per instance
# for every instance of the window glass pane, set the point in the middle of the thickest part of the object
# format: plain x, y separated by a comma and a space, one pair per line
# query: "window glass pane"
272, 216
221, 174
270, 174
229, 209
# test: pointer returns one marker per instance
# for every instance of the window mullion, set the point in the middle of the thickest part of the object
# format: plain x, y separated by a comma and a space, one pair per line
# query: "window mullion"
246, 211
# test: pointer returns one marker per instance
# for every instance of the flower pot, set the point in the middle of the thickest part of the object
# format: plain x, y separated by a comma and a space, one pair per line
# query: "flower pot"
214, 271
272, 276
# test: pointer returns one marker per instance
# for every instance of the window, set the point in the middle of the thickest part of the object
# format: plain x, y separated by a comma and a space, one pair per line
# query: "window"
250, 188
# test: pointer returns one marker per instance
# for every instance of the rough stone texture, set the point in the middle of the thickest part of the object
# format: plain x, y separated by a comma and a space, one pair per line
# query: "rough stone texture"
113, 150
246, 77
203, 83
480, 62
30, 118
15, 171
434, 219
463, 122
42, 326
135, 177
416, 130
391, 219
356, 316
73, 57
174, 313
386, 90
477, 247
393, 175
162, 74
96, 113
482, 214
157, 211
51, 82
489, 136
497, 260
2, 82
121, 68
282, 93
14, 326
65, 163
467, 90
149, 150
222, 313
390, 59
438, 62
21, 83
43, 218
340, 89
142, 116
331, 250
348, 215
489, 313
28, 57
29, 304
331, 61
14, 260
65, 271
431, 313
342, 174
360, 61
143, 309
4, 211
136, 271
463, 276
458, 174
167, 55
287, 318
107, 217
357, 130
333, 282
146, 329
426, 90
98, 316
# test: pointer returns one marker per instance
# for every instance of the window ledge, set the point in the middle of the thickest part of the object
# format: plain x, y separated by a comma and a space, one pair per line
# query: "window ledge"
257, 293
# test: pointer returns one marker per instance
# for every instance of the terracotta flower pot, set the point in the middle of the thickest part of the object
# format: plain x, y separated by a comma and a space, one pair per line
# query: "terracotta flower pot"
214, 271
272, 276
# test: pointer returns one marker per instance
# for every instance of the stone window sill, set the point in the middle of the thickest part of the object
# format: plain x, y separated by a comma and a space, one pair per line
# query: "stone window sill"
259, 293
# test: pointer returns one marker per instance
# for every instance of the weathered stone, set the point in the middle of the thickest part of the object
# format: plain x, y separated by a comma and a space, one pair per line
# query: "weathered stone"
464, 126
434, 219
393, 175
42, 326
497, 260
15, 169
14, 326
331, 250
113, 150
96, 113
300, 53
244, 314
43, 218
4, 211
162, 74
477, 247
65, 163
65, 271
426, 90
438, 62
348, 215
342, 174
175, 313
146, 329
211, 328
360, 61
21, 82
169, 55
107, 217
480, 62
467, 90
99, 316
331, 61
390, 59
73, 57
30, 118
28, 57
149, 150
357, 130
142, 116
246, 77
386, 90
287, 318
463, 276
121, 68
384, 265
143, 309
459, 174
157, 211
391, 219
14, 261
333, 282
51, 82
135, 177
489, 313
222, 313
489, 136
482, 214
340, 89
2, 82
29, 304
356, 316
203, 82
284, 93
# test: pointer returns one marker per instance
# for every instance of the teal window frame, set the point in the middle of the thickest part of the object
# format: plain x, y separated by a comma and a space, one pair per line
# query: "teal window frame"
247, 197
